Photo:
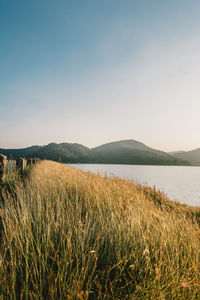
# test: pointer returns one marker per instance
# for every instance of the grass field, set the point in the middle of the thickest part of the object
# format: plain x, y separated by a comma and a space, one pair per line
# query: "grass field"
67, 234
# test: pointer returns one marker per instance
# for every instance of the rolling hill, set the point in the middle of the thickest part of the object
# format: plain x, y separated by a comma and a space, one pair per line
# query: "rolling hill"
132, 152
120, 152
192, 156
64, 152
17, 153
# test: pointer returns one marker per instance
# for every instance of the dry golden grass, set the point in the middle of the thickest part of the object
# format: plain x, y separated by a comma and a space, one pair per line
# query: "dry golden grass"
68, 234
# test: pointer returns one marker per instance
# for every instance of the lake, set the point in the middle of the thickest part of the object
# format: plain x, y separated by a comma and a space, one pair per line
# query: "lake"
181, 184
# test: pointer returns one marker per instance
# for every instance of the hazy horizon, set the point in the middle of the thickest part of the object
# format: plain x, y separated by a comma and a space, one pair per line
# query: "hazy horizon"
93, 72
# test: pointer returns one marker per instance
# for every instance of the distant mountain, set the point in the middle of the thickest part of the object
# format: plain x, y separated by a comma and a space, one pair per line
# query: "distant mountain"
64, 152
121, 152
132, 152
192, 156
17, 153
176, 152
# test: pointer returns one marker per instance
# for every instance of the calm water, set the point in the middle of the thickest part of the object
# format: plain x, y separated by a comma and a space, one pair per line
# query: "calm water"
179, 183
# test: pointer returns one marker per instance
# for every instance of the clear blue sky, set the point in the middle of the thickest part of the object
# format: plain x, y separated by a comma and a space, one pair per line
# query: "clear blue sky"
98, 71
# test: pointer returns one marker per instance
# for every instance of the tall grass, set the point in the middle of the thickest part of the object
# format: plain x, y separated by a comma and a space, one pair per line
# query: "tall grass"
68, 234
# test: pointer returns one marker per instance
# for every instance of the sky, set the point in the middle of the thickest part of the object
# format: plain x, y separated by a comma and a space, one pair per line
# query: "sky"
97, 71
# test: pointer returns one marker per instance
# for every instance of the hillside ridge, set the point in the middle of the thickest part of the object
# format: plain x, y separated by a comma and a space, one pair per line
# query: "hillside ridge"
118, 152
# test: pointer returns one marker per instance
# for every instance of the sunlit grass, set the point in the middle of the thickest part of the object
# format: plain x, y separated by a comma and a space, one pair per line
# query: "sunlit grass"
74, 235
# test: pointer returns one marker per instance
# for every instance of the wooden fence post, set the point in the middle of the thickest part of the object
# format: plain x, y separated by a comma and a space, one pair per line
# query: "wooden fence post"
21, 164
30, 162
35, 161
3, 162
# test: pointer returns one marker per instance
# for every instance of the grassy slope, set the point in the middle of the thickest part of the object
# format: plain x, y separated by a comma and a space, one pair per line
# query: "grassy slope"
75, 235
